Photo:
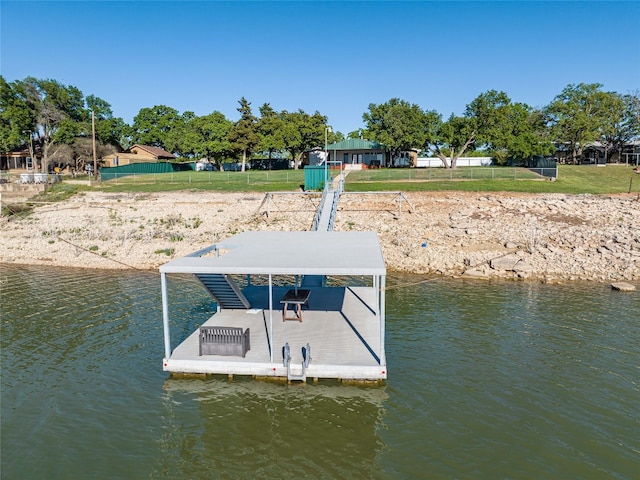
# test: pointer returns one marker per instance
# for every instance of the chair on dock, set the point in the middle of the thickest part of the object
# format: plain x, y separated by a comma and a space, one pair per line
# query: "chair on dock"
224, 341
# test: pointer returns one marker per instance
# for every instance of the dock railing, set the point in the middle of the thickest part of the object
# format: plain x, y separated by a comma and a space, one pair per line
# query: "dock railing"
328, 205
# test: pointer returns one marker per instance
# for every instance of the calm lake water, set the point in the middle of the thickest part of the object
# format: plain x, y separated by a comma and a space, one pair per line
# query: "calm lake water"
486, 380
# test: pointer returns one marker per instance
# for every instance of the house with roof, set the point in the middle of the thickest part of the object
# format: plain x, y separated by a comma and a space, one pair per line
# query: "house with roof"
356, 153
18, 159
137, 154
599, 154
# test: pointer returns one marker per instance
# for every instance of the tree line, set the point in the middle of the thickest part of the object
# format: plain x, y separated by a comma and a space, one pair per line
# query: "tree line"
56, 122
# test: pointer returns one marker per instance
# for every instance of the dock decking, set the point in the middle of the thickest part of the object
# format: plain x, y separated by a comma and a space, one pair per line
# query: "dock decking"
344, 340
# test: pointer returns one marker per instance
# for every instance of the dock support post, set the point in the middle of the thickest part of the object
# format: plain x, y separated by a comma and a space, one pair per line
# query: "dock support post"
383, 280
165, 316
270, 318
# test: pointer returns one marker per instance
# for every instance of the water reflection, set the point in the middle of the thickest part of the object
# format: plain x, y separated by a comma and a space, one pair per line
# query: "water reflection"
265, 430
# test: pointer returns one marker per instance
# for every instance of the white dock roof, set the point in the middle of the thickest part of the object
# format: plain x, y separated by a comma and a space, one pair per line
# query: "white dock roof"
289, 253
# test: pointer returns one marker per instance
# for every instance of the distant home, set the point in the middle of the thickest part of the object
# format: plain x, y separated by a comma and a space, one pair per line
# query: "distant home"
597, 153
137, 154
357, 153
18, 159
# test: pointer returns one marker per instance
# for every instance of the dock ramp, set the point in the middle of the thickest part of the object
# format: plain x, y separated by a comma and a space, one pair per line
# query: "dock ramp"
224, 290
326, 214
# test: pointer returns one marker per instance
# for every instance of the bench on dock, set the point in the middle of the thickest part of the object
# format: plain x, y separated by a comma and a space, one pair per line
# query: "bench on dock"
224, 341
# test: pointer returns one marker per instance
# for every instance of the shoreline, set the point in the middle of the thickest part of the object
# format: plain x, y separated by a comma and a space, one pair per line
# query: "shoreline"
542, 237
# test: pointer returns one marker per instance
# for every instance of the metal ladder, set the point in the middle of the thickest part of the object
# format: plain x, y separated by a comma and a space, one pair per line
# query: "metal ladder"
306, 360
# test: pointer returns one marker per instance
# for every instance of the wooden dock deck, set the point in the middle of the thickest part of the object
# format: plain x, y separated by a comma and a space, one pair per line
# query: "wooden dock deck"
339, 324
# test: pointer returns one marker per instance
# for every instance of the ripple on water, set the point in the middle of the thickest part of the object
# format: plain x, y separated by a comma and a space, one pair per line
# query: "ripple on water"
487, 379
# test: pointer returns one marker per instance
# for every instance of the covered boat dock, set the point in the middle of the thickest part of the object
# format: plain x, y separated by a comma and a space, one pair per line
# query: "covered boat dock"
303, 304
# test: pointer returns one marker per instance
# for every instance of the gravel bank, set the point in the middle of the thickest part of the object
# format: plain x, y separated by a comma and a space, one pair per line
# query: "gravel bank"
544, 237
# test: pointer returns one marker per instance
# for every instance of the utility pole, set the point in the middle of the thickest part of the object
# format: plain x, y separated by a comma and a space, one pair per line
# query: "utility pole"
327, 131
93, 134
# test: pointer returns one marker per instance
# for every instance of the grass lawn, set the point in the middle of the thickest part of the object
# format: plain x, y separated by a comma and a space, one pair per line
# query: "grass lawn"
250, 181
573, 179
578, 179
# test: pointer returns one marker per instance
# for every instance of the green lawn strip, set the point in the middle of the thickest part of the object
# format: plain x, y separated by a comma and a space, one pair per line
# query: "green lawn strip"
254, 181
571, 180
431, 174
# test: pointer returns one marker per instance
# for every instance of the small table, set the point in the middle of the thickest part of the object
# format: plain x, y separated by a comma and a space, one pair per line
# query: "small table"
297, 298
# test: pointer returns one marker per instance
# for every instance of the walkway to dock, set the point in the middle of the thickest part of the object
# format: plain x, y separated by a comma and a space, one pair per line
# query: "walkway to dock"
326, 214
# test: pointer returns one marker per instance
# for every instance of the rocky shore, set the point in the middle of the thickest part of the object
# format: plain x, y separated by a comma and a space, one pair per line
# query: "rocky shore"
549, 238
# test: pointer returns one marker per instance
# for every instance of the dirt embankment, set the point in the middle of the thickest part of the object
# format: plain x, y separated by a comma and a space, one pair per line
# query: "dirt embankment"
545, 237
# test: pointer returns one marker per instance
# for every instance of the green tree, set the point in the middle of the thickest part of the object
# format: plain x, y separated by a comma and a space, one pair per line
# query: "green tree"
492, 122
510, 129
244, 136
152, 126
525, 134
110, 130
18, 118
59, 110
577, 116
451, 139
181, 139
397, 124
302, 132
270, 135
623, 121
209, 137
52, 119
76, 138
337, 136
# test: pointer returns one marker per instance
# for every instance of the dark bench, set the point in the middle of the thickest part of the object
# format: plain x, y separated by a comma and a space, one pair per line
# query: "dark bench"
224, 341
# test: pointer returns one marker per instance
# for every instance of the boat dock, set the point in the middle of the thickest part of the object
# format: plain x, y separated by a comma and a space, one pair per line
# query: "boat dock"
278, 315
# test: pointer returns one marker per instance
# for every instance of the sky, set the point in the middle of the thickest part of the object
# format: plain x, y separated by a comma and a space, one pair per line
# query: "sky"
333, 57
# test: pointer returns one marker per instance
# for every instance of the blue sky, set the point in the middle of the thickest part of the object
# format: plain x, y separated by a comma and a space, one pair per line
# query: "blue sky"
333, 57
